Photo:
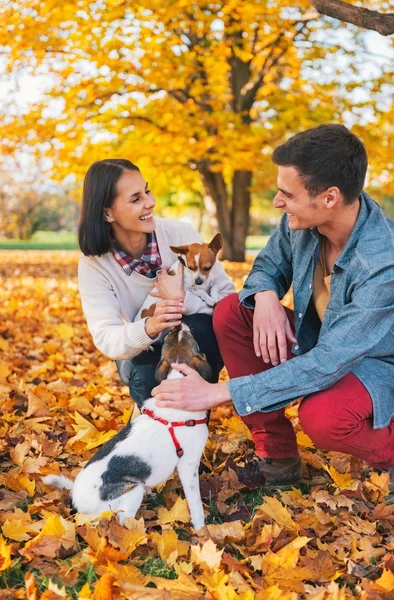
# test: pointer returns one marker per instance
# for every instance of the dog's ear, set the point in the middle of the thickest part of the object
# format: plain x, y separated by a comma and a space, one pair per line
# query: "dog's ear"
148, 312
162, 370
180, 249
200, 364
217, 243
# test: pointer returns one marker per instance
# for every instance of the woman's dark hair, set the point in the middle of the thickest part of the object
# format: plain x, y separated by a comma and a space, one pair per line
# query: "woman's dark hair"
324, 156
99, 193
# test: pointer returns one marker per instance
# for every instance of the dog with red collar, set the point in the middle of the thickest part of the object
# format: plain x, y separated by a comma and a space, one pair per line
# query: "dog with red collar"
148, 450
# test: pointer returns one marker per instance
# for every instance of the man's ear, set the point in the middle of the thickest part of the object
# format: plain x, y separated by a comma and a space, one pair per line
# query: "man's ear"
180, 249
333, 195
162, 370
200, 364
108, 216
217, 243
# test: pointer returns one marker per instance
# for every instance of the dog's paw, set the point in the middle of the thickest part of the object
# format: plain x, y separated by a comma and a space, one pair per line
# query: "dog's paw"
198, 525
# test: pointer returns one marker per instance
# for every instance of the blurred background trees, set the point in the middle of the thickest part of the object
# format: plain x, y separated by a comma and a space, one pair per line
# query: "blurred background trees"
196, 93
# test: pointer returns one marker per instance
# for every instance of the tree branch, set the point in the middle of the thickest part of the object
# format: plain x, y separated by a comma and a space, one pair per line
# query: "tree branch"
362, 17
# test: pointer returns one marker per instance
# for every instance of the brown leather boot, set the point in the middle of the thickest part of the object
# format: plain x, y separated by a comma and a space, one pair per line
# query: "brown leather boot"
259, 471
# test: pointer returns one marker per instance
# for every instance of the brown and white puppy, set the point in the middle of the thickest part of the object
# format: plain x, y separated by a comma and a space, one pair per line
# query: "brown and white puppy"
147, 450
198, 260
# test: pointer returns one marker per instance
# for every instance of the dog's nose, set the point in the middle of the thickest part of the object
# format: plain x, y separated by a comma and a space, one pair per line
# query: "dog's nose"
199, 280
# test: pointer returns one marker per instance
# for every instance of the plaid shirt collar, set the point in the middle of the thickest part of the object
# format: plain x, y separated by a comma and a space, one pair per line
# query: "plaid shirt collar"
147, 265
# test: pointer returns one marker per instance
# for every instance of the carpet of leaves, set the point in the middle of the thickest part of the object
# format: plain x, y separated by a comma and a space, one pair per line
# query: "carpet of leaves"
328, 538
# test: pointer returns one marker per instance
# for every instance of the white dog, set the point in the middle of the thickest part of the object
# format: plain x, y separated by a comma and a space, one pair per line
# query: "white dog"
146, 452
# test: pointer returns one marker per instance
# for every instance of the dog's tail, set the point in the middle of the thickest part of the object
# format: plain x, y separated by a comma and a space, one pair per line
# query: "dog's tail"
58, 481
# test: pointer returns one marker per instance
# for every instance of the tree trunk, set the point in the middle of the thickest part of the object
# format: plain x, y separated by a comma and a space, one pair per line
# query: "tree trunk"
240, 213
215, 187
232, 214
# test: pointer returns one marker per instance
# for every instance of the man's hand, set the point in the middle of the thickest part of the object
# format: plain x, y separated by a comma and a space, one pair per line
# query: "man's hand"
271, 328
170, 287
191, 392
168, 313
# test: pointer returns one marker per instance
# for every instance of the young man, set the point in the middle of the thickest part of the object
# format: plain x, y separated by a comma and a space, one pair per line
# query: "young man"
336, 248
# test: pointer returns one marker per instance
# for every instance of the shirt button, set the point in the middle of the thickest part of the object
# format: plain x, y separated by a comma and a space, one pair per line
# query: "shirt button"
300, 315
310, 286
296, 347
248, 408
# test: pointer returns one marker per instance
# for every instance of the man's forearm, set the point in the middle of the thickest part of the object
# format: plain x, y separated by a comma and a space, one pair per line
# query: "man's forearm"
265, 293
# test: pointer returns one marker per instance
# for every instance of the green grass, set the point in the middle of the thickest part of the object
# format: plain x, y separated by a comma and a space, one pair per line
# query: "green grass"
66, 240
256, 242
157, 568
43, 240
14, 578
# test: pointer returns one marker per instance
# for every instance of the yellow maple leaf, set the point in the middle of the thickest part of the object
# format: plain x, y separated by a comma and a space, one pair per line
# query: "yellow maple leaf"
304, 440
19, 452
5, 554
213, 579
15, 529
279, 513
378, 486
168, 546
85, 593
65, 332
4, 344
104, 589
235, 424
185, 567
101, 438
179, 512
232, 532
274, 592
207, 555
83, 518
277, 567
28, 484
184, 583
342, 481
4, 370
56, 527
385, 583
84, 428
127, 573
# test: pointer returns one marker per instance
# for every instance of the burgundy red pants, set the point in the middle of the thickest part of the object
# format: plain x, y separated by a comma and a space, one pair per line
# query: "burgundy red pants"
338, 418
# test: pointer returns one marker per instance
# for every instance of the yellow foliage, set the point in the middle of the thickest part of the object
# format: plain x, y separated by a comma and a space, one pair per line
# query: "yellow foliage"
264, 544
179, 512
5, 555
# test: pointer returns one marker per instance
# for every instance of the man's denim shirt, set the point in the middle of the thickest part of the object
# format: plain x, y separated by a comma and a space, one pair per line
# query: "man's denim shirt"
357, 333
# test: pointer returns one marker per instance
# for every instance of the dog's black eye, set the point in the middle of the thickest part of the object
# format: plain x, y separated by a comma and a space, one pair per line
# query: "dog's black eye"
206, 268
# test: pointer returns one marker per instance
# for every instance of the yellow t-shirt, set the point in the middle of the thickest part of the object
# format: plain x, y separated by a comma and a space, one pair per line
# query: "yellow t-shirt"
321, 285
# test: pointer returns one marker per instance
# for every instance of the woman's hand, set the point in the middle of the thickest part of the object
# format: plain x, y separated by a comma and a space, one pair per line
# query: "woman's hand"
191, 392
170, 287
168, 313
271, 328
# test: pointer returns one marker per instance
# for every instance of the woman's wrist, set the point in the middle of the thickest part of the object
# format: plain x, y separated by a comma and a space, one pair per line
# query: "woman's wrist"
149, 330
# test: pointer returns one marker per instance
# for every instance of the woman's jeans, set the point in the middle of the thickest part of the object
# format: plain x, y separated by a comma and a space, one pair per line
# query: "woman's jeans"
142, 367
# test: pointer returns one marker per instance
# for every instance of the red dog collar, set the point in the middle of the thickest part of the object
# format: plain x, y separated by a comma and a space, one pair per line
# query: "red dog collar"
171, 424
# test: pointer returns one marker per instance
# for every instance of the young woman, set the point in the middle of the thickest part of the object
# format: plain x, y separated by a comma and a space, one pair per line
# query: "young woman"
125, 254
